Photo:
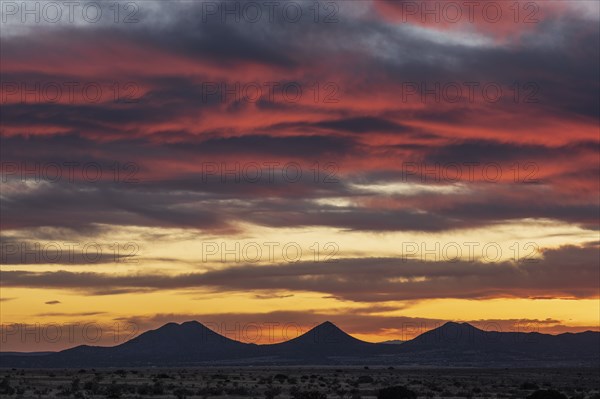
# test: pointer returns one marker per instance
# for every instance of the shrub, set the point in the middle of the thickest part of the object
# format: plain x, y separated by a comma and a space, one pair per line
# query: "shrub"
114, 391
92, 386
5, 387
144, 389
546, 394
298, 394
182, 393
158, 388
272, 391
396, 392
209, 391
365, 379
529, 385
75, 386
237, 391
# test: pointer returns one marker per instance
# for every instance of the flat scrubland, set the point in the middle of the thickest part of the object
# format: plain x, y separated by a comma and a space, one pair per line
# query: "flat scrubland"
296, 383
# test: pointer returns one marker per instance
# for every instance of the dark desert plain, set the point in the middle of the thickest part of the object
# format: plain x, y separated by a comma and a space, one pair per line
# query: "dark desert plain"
306, 382
299, 199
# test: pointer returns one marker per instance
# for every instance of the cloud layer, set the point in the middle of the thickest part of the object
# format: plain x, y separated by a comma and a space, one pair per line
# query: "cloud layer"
368, 117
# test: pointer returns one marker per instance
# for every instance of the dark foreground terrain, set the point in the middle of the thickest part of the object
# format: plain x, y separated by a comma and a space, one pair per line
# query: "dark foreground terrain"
299, 383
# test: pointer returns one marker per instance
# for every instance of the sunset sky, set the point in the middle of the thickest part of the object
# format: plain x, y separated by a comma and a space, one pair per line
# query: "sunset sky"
385, 165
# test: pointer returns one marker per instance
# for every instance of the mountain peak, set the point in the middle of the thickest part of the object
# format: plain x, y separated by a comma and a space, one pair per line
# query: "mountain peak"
453, 334
191, 335
325, 339
328, 334
192, 323
453, 324
327, 324
328, 329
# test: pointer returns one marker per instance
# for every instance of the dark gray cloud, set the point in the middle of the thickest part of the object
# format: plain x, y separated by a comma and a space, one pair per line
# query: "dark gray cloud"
75, 314
197, 197
368, 57
366, 124
361, 280
488, 151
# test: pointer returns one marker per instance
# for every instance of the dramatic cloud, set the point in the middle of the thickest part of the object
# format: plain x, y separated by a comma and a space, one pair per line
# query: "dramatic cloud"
181, 120
365, 280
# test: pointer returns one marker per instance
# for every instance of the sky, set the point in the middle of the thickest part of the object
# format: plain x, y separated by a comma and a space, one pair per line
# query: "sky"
262, 167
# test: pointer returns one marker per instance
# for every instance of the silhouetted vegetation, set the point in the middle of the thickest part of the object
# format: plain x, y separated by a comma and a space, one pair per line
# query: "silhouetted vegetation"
5, 387
529, 385
546, 394
290, 383
365, 379
396, 392
313, 394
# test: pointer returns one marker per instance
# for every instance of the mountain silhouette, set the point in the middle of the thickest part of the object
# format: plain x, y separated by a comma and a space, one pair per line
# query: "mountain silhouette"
174, 344
464, 342
452, 344
323, 336
190, 341
323, 344
191, 337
